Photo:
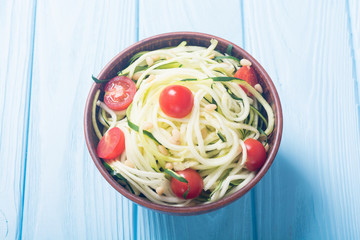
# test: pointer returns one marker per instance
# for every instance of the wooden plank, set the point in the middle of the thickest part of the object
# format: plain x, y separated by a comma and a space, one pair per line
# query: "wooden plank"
155, 17
212, 17
16, 45
65, 195
353, 23
311, 191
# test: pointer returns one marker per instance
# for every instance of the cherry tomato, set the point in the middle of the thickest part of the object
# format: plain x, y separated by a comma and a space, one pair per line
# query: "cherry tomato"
248, 74
112, 144
256, 154
176, 101
119, 93
194, 180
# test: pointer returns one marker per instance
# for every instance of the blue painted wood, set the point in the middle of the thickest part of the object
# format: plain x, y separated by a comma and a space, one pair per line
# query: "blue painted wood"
49, 187
65, 196
311, 191
16, 45
204, 16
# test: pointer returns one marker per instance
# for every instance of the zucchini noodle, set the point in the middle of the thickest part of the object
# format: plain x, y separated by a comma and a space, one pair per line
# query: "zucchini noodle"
209, 140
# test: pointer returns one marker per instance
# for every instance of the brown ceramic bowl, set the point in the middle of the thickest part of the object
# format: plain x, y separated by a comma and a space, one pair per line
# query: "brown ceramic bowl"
168, 40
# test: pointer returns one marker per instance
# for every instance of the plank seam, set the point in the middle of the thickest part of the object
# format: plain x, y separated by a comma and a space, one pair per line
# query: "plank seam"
252, 193
242, 23
354, 71
353, 58
27, 119
135, 207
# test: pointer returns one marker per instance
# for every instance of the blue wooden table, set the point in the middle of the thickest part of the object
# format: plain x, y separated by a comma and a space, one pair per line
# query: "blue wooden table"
49, 186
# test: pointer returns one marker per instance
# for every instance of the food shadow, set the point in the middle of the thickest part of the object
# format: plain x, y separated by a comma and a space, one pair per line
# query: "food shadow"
281, 206
284, 202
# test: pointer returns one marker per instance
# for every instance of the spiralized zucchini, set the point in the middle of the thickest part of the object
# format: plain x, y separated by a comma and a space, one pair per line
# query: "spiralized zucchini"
211, 140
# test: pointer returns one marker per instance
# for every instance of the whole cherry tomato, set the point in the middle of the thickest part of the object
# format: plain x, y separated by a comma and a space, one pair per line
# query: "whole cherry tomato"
176, 101
248, 74
195, 184
256, 154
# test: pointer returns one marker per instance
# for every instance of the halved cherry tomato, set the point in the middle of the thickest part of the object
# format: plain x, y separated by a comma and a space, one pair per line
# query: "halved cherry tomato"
248, 74
112, 144
256, 154
119, 93
176, 101
195, 183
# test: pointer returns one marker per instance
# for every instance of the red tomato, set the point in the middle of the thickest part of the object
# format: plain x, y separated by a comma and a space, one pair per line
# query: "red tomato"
176, 101
112, 144
194, 180
248, 74
256, 154
119, 93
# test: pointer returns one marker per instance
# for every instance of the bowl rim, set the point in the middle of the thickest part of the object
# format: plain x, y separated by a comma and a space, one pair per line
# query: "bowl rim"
200, 208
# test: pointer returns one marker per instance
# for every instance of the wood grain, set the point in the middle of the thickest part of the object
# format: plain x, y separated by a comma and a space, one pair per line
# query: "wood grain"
16, 46
157, 17
65, 196
49, 186
353, 25
311, 191
212, 17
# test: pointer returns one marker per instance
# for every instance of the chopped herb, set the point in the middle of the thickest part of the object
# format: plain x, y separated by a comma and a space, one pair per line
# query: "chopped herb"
232, 94
103, 114
120, 73
227, 57
147, 133
262, 132
207, 100
221, 136
224, 79
242, 134
229, 49
214, 102
98, 80
179, 178
186, 193
252, 107
204, 196
118, 177
175, 175
188, 79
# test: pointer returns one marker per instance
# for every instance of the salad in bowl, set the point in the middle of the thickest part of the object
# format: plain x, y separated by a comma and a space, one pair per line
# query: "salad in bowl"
185, 127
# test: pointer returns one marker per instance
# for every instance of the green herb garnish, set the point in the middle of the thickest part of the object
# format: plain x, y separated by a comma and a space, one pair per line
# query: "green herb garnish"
188, 79
179, 178
221, 136
118, 177
262, 132
147, 133
227, 57
98, 80
225, 79
229, 49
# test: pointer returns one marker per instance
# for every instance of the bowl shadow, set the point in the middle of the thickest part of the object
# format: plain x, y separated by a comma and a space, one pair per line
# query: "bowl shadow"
280, 206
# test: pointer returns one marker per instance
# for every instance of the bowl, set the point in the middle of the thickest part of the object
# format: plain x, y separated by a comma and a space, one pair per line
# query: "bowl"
121, 60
